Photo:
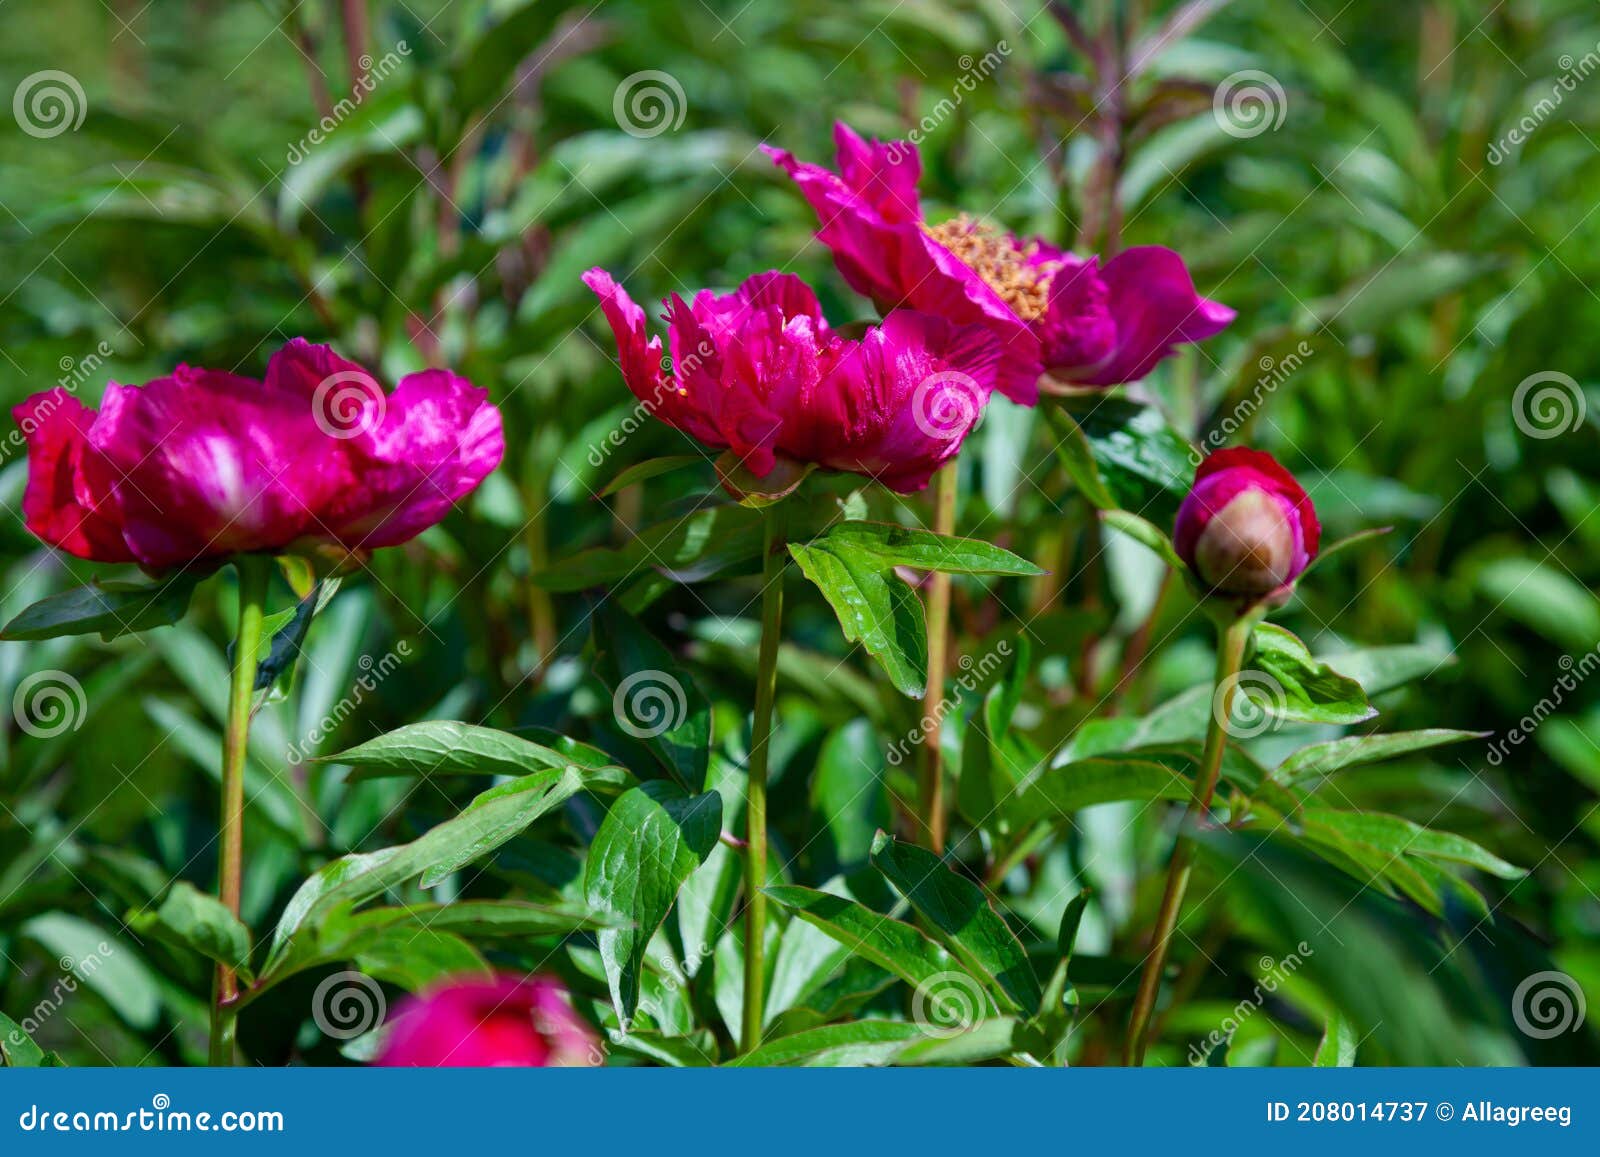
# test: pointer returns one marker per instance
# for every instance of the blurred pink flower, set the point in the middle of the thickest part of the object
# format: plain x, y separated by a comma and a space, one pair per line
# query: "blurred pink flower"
759, 372
499, 1023
206, 464
1074, 320
1247, 527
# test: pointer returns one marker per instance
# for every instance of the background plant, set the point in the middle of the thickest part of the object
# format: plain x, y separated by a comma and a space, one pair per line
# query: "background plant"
445, 219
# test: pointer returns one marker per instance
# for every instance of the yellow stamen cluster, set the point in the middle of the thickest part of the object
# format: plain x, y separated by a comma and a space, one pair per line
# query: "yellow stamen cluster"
1004, 265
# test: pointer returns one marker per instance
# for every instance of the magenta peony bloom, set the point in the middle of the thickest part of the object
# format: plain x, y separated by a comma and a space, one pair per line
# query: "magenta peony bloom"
205, 464
1078, 322
1246, 528
499, 1023
759, 372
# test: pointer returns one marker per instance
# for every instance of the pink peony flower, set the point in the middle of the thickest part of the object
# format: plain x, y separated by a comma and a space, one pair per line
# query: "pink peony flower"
1246, 528
499, 1023
759, 372
1074, 320
205, 464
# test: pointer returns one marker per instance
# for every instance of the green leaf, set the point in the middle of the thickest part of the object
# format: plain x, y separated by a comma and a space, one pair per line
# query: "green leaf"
847, 791
643, 471
17, 1050
191, 919
1147, 534
446, 747
686, 549
418, 957
110, 609
485, 66
964, 919
1338, 1047
1055, 794
875, 608
1544, 597
1301, 688
904, 546
1356, 750
650, 842
1396, 835
491, 819
1380, 669
859, 1043
890, 944
1140, 462
654, 699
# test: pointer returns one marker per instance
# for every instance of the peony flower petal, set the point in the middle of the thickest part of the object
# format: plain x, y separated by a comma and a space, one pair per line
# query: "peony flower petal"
438, 438
503, 1022
869, 217
67, 502
214, 464
1153, 302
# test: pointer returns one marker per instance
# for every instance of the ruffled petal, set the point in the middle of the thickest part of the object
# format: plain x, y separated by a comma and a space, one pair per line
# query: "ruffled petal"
439, 437
909, 393
883, 175
68, 501
213, 464
1153, 302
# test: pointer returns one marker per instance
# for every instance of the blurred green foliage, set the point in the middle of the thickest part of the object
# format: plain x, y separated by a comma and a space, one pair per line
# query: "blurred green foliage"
1395, 284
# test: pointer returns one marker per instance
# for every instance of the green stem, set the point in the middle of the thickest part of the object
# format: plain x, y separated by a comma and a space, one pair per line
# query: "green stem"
1230, 655
254, 572
755, 863
947, 485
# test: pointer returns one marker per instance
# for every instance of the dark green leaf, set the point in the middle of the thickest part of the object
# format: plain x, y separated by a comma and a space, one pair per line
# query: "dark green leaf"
446, 747
653, 699
964, 919
201, 923
650, 842
109, 609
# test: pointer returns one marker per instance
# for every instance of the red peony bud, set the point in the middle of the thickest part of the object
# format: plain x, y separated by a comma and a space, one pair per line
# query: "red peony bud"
1246, 527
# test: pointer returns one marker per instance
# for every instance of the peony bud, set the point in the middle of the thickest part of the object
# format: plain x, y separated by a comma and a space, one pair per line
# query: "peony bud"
1246, 527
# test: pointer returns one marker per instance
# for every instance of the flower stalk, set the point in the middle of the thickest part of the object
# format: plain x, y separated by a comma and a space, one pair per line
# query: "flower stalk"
254, 571
755, 879
947, 484
1231, 643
